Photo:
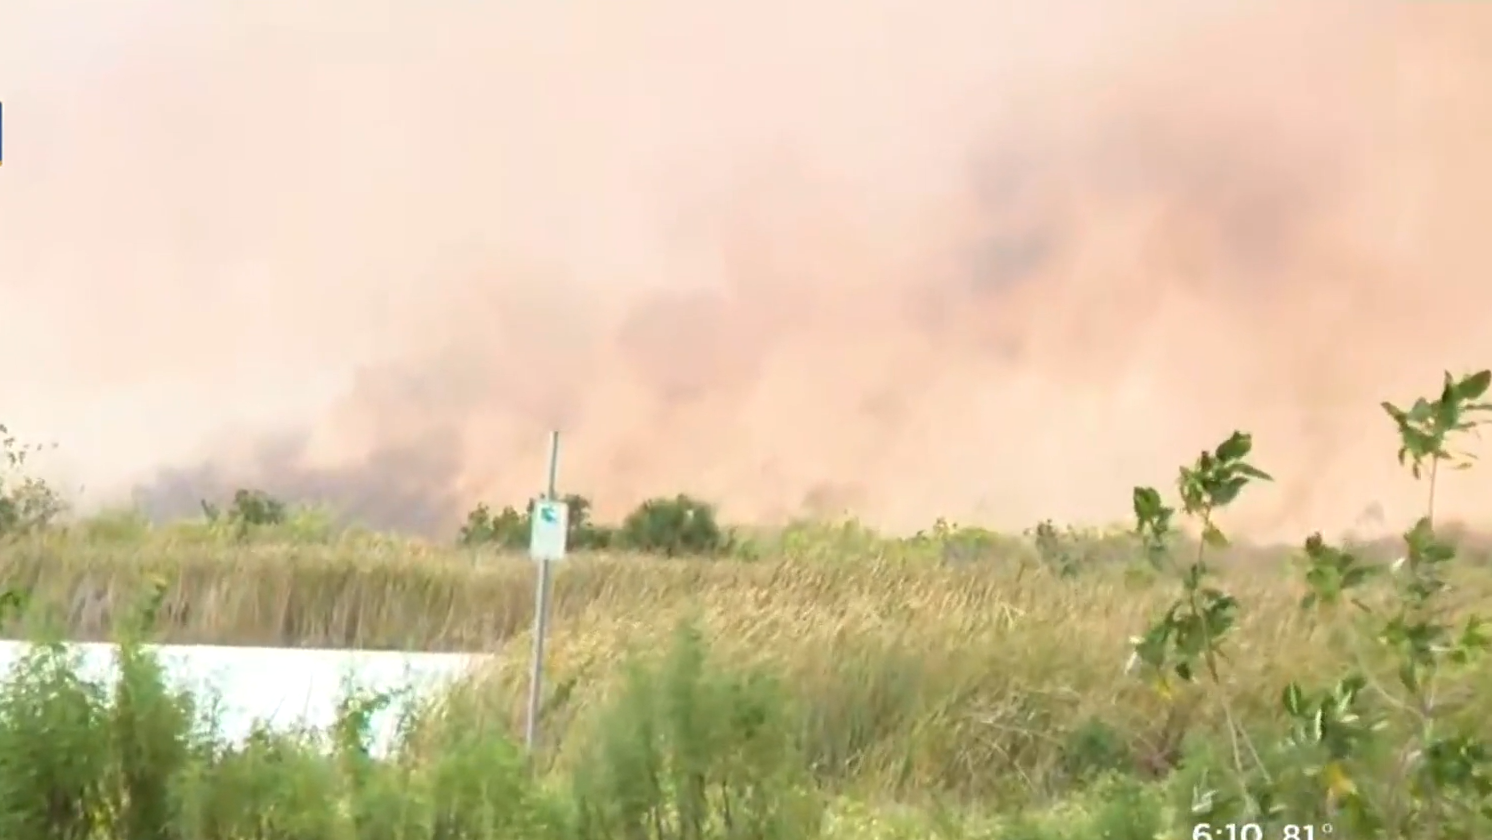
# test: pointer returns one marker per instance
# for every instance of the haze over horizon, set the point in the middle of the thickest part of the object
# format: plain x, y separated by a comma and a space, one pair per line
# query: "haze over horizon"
991, 261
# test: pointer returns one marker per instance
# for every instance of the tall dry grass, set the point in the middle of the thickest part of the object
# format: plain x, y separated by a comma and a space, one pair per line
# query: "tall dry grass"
923, 668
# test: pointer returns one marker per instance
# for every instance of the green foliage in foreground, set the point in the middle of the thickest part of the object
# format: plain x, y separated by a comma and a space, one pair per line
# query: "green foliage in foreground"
1373, 759
686, 750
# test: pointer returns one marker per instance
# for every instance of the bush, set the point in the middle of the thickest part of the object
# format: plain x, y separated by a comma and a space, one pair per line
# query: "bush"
27, 504
1390, 758
249, 510
681, 525
688, 750
506, 529
132, 760
672, 527
54, 749
509, 529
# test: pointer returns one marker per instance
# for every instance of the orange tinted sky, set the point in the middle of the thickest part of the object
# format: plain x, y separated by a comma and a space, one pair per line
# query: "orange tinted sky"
995, 261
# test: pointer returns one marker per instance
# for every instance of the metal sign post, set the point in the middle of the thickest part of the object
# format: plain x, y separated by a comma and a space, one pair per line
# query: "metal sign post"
549, 527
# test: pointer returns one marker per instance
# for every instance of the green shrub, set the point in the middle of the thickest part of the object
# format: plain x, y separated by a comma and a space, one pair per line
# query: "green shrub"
672, 527
1373, 758
681, 525
506, 529
150, 727
1094, 749
275, 784
55, 755
249, 508
509, 529
27, 504
689, 751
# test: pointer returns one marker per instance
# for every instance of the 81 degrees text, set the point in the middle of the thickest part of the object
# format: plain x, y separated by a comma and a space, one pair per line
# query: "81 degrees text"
1254, 831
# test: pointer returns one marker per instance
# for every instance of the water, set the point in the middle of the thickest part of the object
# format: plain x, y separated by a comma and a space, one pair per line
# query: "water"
281, 687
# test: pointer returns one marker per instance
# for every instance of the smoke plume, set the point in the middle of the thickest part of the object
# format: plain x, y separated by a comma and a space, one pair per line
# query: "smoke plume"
996, 261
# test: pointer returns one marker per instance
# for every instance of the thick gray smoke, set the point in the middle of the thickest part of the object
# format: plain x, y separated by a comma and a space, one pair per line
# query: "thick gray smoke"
996, 261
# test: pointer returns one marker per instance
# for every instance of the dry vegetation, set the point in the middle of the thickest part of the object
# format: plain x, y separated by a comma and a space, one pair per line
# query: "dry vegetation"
957, 682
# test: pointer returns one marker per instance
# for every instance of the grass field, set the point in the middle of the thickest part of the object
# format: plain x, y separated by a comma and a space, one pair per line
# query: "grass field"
822, 681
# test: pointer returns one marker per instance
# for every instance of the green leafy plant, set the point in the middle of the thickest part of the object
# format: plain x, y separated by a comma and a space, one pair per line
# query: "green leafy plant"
689, 751
1441, 776
1187, 643
54, 749
681, 525
509, 528
249, 511
1055, 551
1438, 778
677, 526
1067, 551
27, 504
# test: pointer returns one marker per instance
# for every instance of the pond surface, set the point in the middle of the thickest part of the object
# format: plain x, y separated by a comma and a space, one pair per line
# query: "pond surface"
282, 687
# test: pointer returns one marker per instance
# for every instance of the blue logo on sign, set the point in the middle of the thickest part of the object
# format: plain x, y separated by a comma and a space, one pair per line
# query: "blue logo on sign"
549, 515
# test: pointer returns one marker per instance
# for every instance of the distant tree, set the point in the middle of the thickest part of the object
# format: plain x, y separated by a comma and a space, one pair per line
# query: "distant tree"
680, 525
510, 528
249, 510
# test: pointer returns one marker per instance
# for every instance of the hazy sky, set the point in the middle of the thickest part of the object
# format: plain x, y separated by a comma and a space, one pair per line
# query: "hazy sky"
992, 260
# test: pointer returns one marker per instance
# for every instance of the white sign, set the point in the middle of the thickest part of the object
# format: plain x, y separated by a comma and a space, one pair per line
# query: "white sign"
551, 524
